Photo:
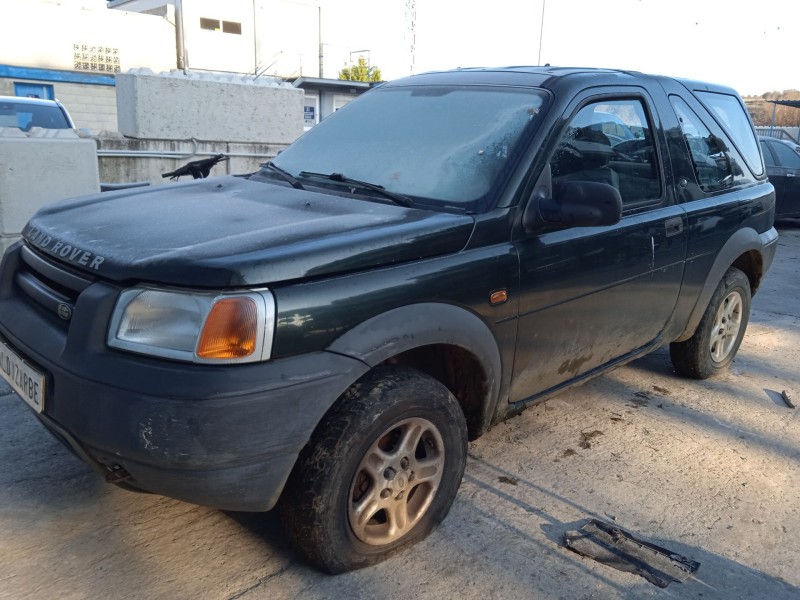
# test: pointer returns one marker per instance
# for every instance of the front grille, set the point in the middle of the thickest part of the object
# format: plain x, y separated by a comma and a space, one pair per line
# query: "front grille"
51, 286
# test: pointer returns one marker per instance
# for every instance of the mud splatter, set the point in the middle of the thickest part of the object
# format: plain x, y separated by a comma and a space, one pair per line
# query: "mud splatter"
585, 437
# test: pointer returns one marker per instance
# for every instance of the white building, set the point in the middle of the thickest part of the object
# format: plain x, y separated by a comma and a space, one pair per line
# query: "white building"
71, 49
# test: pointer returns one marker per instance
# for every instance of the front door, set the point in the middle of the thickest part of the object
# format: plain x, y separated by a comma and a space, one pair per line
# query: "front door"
591, 296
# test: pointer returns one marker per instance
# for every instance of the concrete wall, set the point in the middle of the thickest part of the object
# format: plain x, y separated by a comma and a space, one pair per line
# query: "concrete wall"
205, 107
125, 160
92, 107
39, 167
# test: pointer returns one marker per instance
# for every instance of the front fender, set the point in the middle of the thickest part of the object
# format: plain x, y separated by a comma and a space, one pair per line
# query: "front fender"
416, 325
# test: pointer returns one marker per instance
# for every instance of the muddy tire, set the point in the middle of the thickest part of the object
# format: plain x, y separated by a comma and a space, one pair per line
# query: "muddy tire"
718, 336
381, 471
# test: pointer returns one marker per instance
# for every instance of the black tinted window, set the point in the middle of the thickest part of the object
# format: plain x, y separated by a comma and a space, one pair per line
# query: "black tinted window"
717, 164
786, 156
24, 116
733, 118
610, 142
768, 158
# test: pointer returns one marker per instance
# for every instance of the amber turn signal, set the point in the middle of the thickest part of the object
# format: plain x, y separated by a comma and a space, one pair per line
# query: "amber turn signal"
498, 297
230, 330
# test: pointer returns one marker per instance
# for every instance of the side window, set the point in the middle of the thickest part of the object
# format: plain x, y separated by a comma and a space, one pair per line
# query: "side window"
716, 164
610, 142
786, 156
734, 120
768, 158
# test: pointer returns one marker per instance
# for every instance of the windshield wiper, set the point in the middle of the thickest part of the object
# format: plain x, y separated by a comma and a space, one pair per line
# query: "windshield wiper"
285, 174
365, 185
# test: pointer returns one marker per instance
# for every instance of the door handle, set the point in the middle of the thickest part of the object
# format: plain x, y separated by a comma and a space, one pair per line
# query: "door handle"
673, 226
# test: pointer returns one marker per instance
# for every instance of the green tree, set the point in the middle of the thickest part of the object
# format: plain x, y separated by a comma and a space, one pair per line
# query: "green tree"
360, 71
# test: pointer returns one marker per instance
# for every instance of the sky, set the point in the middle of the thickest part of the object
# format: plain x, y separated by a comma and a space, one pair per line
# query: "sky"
749, 45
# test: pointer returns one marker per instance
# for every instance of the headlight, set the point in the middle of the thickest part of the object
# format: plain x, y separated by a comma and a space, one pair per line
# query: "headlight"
194, 326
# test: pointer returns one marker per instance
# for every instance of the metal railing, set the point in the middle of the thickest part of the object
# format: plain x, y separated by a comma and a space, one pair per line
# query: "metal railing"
776, 132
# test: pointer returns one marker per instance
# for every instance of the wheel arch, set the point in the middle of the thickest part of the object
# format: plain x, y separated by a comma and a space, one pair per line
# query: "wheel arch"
743, 250
447, 342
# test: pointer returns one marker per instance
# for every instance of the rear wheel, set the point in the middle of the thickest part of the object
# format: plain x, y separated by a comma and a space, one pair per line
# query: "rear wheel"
718, 336
381, 471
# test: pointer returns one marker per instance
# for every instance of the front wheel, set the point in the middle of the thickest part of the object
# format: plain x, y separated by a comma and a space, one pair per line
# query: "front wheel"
381, 471
719, 334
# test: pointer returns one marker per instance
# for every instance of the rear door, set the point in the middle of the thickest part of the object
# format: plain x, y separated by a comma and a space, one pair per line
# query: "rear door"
592, 296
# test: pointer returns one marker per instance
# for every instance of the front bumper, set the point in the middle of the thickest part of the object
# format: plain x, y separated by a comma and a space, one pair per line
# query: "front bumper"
221, 436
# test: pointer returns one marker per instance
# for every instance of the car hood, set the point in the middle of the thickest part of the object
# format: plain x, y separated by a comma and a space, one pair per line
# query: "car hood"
229, 231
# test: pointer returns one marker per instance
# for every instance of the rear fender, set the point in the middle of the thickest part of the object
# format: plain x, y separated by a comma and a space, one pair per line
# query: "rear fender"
744, 240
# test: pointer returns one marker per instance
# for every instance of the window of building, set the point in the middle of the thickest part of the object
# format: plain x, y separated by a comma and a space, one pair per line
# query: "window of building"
209, 24
34, 90
232, 27
223, 26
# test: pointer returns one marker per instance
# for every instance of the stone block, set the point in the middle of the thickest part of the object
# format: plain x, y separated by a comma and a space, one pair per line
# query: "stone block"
180, 107
39, 167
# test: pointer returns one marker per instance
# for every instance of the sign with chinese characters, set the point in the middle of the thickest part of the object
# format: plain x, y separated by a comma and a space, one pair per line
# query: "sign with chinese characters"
95, 59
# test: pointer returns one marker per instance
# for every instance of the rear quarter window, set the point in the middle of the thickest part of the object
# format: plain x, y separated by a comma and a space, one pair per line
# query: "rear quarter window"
731, 115
717, 164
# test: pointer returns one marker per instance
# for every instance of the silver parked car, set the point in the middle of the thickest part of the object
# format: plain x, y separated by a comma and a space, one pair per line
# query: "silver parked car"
25, 113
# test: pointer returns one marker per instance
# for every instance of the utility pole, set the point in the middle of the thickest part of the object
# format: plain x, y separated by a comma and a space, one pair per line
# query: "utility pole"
319, 35
411, 30
180, 47
541, 35
255, 40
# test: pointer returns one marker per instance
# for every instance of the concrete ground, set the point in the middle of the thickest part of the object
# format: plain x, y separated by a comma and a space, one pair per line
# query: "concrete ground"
709, 469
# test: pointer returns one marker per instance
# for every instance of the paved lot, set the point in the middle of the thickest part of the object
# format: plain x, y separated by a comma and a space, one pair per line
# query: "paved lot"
708, 469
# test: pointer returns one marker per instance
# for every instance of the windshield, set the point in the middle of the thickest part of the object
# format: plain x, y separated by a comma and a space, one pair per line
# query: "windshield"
439, 145
24, 116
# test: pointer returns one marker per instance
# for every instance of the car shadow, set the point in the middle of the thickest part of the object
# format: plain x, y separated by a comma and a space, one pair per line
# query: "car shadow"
718, 577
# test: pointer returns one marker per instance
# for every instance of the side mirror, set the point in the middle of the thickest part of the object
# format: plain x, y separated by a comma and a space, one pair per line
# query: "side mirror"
575, 204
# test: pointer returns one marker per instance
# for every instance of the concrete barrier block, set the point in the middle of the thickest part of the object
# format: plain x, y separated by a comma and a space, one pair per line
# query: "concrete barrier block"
180, 107
39, 167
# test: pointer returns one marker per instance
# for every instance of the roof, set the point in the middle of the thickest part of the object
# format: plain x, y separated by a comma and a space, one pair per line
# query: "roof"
792, 103
333, 85
26, 100
565, 80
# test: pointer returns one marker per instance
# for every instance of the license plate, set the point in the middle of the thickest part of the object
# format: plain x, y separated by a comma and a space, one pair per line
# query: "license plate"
24, 379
